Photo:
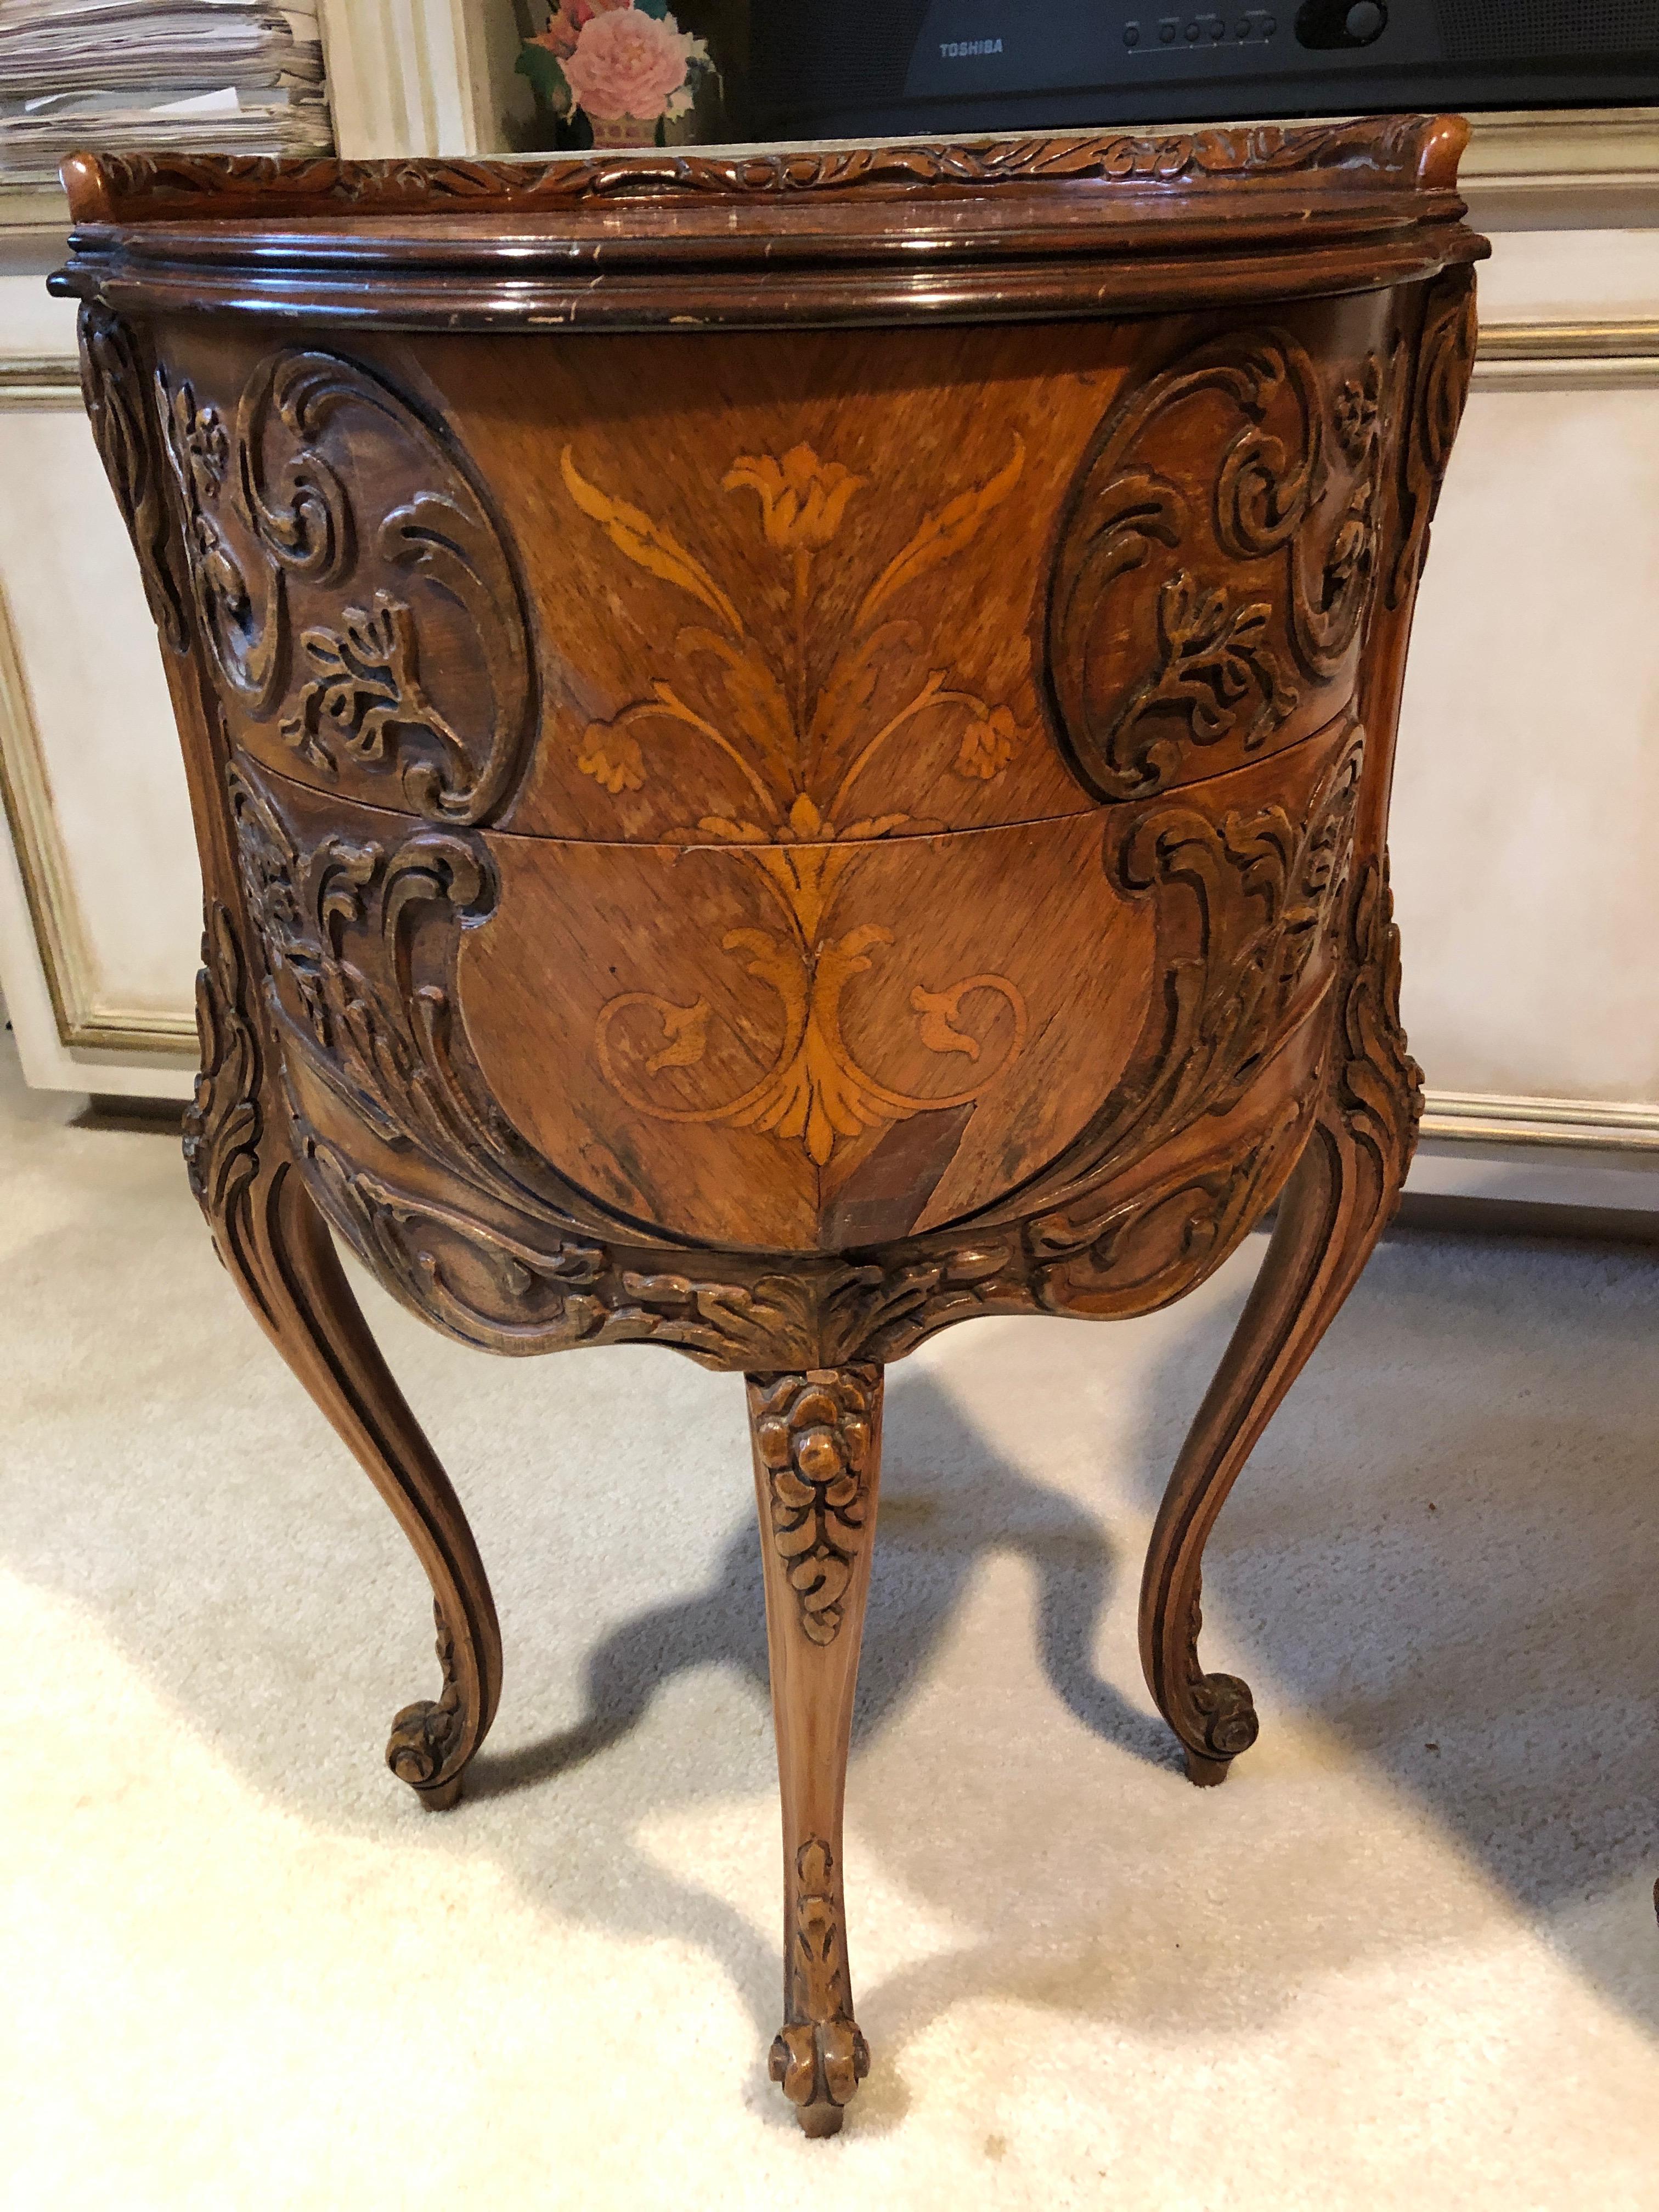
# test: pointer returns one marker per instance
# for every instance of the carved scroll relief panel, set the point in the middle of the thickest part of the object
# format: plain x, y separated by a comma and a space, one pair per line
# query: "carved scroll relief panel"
360, 605
1221, 550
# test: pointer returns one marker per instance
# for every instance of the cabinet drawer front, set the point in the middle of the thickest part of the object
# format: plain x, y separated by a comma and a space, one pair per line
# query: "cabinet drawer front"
810, 1046
669, 590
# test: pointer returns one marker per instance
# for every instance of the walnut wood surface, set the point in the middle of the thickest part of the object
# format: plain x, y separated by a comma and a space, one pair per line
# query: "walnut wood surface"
730, 827
994, 230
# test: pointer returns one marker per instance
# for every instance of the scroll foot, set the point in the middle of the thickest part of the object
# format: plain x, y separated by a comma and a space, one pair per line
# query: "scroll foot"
425, 1737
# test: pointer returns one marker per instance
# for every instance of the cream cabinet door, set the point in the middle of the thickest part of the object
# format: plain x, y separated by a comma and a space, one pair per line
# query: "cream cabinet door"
1526, 811
1527, 803
99, 892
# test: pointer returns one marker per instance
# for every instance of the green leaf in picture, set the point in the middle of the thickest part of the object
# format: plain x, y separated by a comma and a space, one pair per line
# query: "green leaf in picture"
657, 7
547, 80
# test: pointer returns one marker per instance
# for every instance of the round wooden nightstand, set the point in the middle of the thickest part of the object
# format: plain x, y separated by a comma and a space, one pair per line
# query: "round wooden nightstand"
789, 750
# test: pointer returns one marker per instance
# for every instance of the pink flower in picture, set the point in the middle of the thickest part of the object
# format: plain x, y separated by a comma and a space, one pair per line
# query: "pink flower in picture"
627, 63
568, 21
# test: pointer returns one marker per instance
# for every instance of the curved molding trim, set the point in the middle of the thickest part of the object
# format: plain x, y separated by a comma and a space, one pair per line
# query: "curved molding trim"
42, 381
426, 76
1486, 1118
1531, 151
1578, 357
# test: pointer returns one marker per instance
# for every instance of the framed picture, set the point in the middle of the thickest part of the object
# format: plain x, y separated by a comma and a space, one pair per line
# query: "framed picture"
615, 73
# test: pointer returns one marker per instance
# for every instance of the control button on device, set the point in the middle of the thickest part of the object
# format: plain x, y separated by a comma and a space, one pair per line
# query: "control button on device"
1325, 25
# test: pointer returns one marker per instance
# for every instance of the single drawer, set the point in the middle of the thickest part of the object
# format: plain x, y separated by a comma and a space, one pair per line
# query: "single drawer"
811, 1045
687, 590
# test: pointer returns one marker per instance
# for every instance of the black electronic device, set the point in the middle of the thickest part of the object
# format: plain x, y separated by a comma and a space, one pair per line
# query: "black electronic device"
859, 67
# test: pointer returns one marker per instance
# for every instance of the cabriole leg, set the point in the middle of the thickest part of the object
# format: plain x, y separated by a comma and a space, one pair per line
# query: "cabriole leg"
817, 1455
278, 1251
1336, 1205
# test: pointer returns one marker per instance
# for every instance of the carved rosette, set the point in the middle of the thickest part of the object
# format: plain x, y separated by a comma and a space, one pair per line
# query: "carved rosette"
1222, 1703
813, 1435
819, 2055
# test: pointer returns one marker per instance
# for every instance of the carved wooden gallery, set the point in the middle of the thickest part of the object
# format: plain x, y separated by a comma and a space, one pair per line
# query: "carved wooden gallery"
890, 831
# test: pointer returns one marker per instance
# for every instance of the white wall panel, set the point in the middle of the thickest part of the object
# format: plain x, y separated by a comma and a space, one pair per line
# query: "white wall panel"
1526, 816
106, 865
102, 714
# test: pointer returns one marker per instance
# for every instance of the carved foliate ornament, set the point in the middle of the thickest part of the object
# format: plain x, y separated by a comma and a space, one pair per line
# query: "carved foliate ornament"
1221, 1703
331, 537
1445, 364
813, 1434
1380, 1089
1251, 577
424, 1734
223, 1122
134, 185
112, 381
819, 2055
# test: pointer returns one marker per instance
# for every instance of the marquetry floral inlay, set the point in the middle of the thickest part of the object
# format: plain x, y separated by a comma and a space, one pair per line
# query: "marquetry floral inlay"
797, 720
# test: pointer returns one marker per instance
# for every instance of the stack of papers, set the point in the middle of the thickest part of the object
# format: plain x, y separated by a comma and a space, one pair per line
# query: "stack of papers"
191, 76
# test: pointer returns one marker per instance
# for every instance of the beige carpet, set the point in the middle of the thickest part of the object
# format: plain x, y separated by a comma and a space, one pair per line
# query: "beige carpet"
1408, 1957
